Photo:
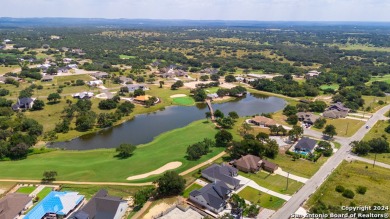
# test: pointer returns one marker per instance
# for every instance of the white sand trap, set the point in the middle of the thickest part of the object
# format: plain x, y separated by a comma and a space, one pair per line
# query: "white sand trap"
178, 95
168, 166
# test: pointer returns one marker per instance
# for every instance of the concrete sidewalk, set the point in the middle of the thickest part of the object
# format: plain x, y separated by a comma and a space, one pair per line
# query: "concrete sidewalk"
354, 157
279, 171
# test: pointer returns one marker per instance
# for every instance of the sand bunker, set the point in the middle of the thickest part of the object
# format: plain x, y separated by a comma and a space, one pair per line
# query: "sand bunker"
178, 95
168, 166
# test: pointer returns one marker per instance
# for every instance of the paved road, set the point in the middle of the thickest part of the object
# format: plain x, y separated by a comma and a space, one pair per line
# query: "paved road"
311, 186
354, 157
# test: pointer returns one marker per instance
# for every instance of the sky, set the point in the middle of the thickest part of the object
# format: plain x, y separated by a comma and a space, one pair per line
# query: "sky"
261, 10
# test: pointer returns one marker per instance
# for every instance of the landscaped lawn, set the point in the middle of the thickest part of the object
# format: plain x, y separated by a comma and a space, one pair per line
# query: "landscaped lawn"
45, 191
331, 86
193, 187
274, 182
260, 198
299, 167
350, 176
377, 131
344, 127
102, 165
212, 90
26, 190
183, 100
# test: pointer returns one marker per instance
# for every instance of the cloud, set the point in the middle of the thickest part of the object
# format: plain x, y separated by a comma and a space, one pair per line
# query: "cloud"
266, 10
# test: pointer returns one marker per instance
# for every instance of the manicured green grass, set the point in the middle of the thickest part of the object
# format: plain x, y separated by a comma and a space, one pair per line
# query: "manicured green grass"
260, 198
193, 187
212, 90
344, 127
102, 165
385, 78
350, 175
184, 100
331, 86
378, 130
299, 167
63, 79
90, 190
274, 182
45, 191
127, 57
26, 190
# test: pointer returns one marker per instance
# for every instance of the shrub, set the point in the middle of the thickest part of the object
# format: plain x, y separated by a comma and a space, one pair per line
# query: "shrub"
340, 189
361, 190
348, 194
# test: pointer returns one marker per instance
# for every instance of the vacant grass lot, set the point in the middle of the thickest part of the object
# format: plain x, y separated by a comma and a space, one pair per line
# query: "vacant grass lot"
127, 57
344, 127
385, 78
26, 190
274, 182
11, 68
102, 165
184, 100
363, 47
90, 190
372, 102
378, 131
193, 187
260, 198
352, 175
299, 167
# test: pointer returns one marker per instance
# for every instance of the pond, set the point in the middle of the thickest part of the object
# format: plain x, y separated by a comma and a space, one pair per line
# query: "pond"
143, 128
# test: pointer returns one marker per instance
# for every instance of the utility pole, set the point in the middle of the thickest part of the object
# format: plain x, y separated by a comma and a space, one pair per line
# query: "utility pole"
288, 175
346, 131
373, 164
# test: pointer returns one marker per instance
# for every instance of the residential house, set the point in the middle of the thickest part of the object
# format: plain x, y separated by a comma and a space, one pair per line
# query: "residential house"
210, 71
79, 52
125, 80
56, 204
83, 95
262, 121
47, 78
248, 163
257, 76
23, 103
13, 205
213, 196
305, 144
212, 96
95, 83
72, 66
102, 206
312, 74
63, 69
269, 166
155, 64
3, 78
133, 87
307, 117
240, 79
100, 75
336, 110
222, 173
67, 60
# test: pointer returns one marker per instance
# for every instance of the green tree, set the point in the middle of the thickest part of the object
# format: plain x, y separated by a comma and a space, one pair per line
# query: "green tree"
233, 115
139, 92
53, 97
271, 148
38, 105
330, 131
296, 132
230, 78
161, 83
18, 151
320, 123
85, 121
208, 115
49, 176
290, 110
170, 184
125, 150
142, 196
219, 114
223, 138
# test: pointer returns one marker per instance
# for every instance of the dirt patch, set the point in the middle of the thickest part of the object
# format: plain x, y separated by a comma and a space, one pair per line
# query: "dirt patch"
168, 166
156, 210
178, 95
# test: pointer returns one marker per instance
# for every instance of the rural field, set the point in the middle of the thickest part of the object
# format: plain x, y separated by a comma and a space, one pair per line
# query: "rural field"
344, 127
350, 176
102, 165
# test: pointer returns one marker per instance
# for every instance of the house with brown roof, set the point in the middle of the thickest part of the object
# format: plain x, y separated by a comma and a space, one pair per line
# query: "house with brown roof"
252, 163
13, 205
262, 121
307, 117
336, 110
248, 163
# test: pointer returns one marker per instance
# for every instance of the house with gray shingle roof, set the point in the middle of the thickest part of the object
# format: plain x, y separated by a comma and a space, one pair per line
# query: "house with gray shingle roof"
14, 204
222, 173
213, 196
305, 144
